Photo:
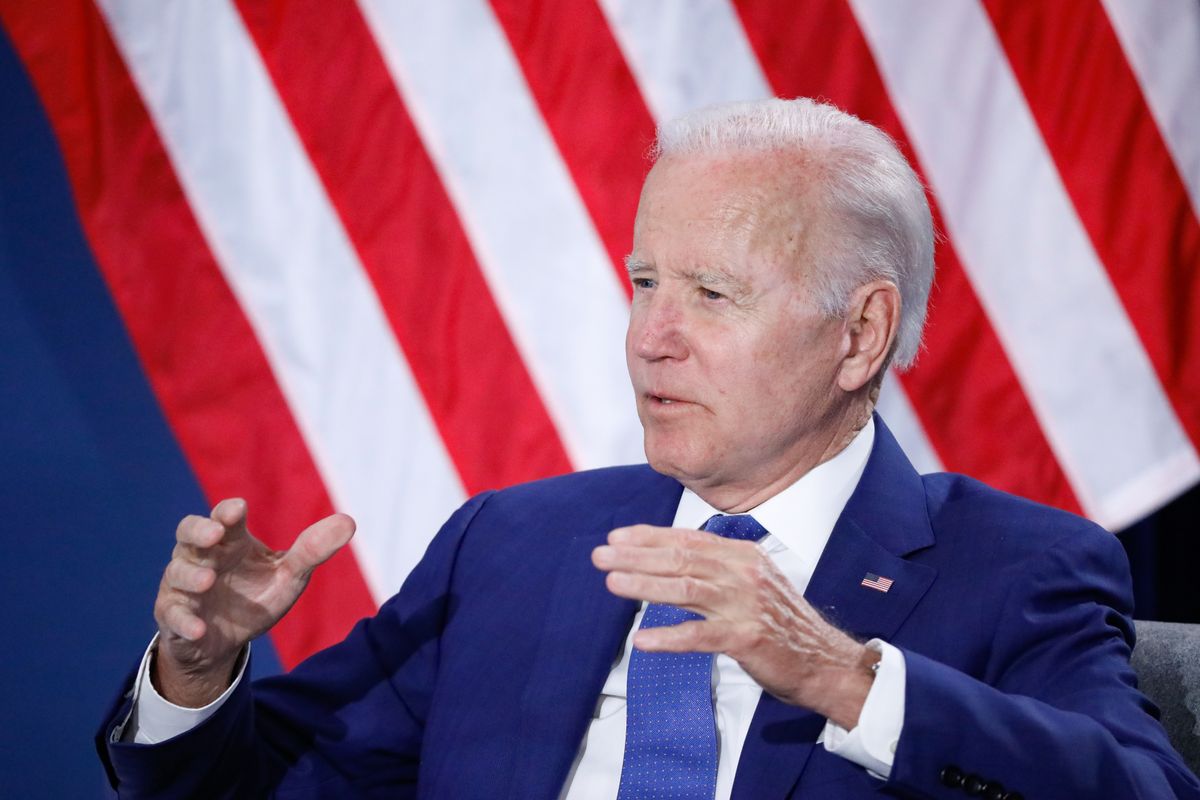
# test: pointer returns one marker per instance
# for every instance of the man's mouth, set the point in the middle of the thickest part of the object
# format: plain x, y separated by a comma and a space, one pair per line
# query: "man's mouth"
659, 399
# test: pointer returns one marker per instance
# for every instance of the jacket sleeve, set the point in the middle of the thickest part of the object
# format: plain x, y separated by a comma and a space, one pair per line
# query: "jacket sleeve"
1057, 713
346, 722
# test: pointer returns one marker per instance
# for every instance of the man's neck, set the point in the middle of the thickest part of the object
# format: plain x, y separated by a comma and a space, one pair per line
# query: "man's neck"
736, 498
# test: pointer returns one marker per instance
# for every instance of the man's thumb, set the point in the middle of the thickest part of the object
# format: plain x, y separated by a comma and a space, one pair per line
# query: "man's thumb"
317, 543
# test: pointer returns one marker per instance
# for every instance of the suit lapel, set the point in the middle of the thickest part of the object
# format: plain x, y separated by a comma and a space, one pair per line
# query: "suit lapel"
584, 627
837, 588
884, 521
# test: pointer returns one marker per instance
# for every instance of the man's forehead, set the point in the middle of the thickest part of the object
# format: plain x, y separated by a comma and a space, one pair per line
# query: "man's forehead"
710, 209
745, 189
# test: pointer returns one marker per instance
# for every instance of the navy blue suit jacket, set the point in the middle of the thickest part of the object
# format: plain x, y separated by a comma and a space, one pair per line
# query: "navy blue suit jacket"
480, 677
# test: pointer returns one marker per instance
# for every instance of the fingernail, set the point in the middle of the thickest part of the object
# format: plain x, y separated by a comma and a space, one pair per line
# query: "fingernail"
602, 555
619, 535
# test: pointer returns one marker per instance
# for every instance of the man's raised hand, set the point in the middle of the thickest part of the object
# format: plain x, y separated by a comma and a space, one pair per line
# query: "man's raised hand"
751, 613
222, 588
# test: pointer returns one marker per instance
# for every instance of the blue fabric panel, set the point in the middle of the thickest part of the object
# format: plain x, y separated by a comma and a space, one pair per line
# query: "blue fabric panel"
92, 481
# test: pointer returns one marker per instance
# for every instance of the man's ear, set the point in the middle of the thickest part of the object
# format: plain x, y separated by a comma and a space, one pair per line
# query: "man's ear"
872, 320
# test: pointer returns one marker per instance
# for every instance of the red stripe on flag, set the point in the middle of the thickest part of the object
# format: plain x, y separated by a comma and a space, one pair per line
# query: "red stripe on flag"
963, 389
195, 345
592, 105
387, 193
1120, 175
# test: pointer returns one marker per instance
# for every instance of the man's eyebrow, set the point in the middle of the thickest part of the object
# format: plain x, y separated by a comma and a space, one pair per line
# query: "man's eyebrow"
633, 265
710, 277
706, 277
713, 278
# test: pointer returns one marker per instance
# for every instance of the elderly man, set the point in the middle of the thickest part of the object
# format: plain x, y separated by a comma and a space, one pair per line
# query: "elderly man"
838, 625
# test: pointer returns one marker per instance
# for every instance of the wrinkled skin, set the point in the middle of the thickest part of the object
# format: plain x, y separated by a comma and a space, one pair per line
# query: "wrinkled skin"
222, 588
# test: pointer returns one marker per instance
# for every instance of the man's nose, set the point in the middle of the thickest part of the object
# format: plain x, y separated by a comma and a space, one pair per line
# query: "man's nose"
656, 329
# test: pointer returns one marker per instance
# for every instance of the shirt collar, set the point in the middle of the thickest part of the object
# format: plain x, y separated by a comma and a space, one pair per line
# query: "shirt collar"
802, 516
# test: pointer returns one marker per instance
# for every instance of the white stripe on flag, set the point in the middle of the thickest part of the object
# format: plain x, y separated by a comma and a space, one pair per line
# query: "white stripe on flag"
1046, 293
286, 257
686, 54
1161, 39
550, 274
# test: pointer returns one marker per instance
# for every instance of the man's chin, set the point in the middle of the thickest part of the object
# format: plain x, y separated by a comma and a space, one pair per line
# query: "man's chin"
688, 471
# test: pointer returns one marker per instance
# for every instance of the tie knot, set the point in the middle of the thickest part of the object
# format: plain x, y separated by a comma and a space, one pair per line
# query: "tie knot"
735, 526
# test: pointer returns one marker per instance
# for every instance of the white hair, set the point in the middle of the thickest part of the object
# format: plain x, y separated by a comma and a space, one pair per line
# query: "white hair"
872, 197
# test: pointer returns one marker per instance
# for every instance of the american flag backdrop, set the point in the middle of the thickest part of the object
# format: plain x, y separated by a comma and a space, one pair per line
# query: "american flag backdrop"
369, 254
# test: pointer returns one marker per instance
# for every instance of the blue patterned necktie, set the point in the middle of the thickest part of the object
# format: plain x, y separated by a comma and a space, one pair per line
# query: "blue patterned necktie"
670, 730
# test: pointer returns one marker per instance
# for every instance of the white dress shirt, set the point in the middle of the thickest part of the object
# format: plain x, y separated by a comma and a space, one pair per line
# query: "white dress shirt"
799, 520
153, 718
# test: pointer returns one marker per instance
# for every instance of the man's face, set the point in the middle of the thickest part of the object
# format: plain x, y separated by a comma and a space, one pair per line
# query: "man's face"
733, 367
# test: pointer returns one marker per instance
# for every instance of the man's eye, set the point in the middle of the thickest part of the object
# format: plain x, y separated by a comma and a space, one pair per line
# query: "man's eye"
709, 294
643, 283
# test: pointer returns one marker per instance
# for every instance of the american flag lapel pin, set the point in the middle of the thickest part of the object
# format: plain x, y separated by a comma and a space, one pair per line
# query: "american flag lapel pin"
876, 582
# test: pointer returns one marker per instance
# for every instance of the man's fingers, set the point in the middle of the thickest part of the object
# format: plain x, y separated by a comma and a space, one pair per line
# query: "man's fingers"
199, 532
176, 618
231, 513
693, 594
185, 576
318, 542
693, 636
682, 560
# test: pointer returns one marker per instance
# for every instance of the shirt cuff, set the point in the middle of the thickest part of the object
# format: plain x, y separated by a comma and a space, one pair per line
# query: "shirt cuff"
155, 719
872, 743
